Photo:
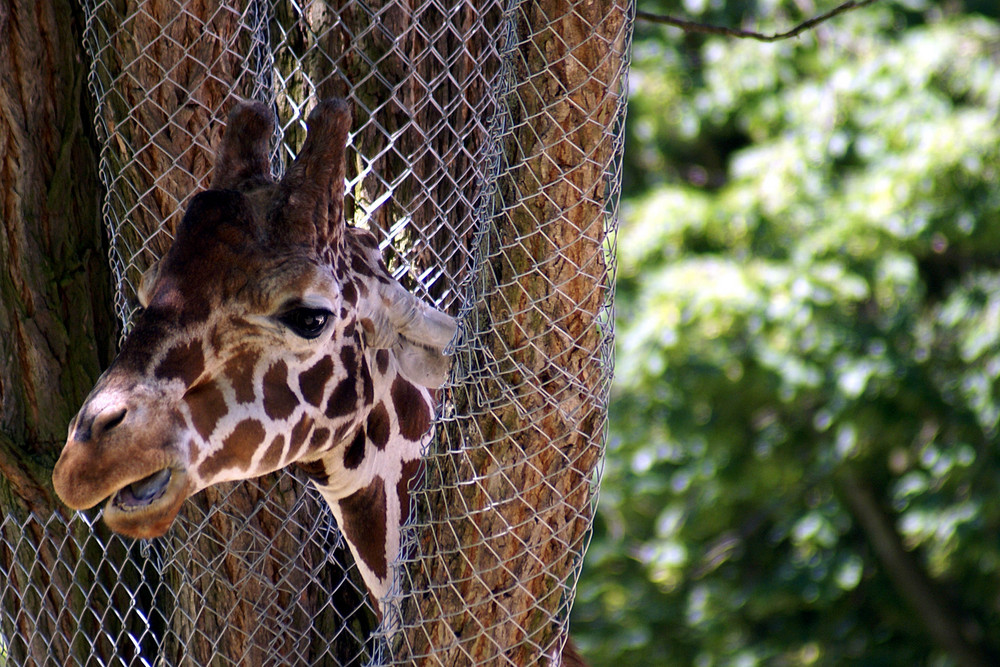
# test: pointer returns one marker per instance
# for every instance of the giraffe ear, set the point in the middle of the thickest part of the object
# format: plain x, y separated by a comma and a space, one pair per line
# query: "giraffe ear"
243, 159
416, 333
146, 283
314, 184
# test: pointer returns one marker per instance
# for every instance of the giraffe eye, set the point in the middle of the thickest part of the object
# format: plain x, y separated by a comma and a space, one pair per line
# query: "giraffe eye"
306, 322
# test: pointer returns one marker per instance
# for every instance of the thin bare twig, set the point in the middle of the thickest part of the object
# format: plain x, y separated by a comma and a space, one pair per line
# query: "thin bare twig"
692, 26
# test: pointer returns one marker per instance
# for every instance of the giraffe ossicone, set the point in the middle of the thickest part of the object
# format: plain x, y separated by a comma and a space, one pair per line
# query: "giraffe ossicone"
271, 334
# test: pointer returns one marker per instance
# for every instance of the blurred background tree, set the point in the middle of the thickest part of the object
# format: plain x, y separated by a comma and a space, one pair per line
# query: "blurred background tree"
804, 464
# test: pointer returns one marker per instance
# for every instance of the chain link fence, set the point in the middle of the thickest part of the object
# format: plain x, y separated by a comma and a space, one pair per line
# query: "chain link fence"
485, 156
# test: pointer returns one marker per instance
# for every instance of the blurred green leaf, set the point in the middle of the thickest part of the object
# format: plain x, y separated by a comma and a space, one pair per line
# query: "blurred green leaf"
809, 281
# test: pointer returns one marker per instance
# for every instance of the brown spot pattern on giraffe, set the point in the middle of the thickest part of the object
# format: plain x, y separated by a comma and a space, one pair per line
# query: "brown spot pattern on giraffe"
239, 370
184, 362
354, 453
319, 438
349, 358
344, 398
312, 382
207, 405
350, 293
237, 449
272, 457
367, 385
360, 266
315, 470
216, 341
378, 425
382, 361
279, 400
364, 238
411, 411
340, 435
299, 433
194, 448
409, 471
368, 326
363, 513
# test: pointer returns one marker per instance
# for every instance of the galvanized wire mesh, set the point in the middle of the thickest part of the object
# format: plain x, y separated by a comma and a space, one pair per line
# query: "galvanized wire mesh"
486, 155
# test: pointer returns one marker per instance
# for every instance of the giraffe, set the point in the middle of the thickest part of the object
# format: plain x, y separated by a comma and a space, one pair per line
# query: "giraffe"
271, 334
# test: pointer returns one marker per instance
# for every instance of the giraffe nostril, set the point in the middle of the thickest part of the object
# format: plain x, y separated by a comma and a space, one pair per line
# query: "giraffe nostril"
107, 420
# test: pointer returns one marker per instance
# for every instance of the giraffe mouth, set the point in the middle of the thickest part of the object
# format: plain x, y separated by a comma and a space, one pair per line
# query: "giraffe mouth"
143, 493
146, 508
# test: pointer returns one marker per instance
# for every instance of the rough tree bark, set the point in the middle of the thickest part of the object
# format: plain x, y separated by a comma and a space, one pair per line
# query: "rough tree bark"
56, 326
55, 283
417, 75
508, 498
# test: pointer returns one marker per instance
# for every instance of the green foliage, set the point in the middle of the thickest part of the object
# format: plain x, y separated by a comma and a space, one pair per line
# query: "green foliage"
809, 287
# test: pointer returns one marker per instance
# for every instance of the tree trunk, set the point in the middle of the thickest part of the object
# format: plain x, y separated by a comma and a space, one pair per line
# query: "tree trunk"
55, 283
57, 334
508, 497
417, 76
166, 76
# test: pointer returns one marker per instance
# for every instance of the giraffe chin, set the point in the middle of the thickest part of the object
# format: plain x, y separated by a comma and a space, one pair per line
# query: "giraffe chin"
145, 509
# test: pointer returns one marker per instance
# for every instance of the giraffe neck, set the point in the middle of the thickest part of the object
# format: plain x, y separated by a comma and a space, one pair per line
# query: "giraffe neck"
372, 500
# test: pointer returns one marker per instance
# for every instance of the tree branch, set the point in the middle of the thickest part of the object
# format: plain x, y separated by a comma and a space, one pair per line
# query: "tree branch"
692, 26
907, 576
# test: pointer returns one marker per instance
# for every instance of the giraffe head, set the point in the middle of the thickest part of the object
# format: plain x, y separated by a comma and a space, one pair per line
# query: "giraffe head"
271, 334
